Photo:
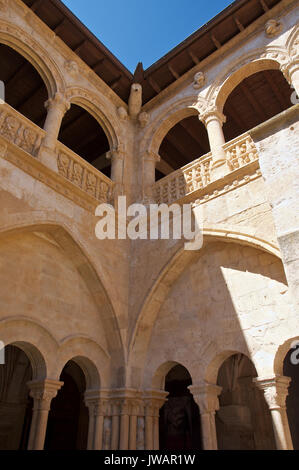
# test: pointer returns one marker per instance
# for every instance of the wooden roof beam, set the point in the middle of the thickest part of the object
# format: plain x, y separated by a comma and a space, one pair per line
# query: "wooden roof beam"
173, 72
255, 105
194, 136
215, 41
193, 57
154, 84
239, 24
274, 89
264, 5
113, 84
35, 5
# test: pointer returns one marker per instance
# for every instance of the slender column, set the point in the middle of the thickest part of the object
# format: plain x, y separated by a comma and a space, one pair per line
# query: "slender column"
115, 425
117, 158
135, 410
42, 393
214, 120
154, 400
206, 397
149, 166
276, 390
56, 107
124, 426
291, 73
97, 406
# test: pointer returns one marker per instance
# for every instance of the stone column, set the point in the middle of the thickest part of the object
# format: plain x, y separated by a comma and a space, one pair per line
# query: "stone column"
213, 121
42, 393
97, 407
117, 158
149, 166
153, 401
115, 413
135, 412
291, 73
276, 390
206, 397
56, 107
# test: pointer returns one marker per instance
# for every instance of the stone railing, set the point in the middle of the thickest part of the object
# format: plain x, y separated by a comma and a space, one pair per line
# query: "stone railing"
195, 175
19, 130
240, 151
90, 180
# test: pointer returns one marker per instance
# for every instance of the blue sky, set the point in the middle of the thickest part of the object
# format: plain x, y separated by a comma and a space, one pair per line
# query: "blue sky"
144, 30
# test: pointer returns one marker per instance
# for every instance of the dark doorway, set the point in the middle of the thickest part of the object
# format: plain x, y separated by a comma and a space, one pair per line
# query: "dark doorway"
291, 369
15, 403
179, 425
243, 421
68, 419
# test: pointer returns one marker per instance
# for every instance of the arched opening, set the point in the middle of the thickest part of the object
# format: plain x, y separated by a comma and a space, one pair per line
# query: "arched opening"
15, 403
256, 99
291, 369
179, 423
184, 142
243, 421
25, 90
68, 418
82, 133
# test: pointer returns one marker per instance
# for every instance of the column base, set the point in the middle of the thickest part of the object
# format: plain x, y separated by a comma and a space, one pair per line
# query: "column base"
48, 157
219, 169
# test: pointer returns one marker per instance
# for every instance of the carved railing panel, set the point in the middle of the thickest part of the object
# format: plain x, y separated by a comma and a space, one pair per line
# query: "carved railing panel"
195, 175
240, 151
19, 130
90, 180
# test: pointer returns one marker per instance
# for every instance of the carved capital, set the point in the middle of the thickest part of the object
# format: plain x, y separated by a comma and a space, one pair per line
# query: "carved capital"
210, 114
43, 392
58, 102
289, 68
116, 154
275, 390
206, 397
273, 28
153, 401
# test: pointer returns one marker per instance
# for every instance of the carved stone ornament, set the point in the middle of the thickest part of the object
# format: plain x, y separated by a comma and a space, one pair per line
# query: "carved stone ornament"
199, 80
122, 113
71, 67
273, 28
143, 119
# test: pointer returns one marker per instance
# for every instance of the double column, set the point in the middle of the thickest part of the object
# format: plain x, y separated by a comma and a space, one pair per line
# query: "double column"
56, 107
97, 403
153, 401
275, 391
206, 397
213, 120
42, 393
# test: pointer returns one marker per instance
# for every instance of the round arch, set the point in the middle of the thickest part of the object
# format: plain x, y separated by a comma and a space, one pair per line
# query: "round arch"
36, 342
22, 43
63, 235
89, 356
281, 353
98, 109
176, 112
238, 70
168, 275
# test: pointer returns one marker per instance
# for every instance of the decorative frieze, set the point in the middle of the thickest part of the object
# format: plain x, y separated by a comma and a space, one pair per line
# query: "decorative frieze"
86, 177
19, 130
197, 175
